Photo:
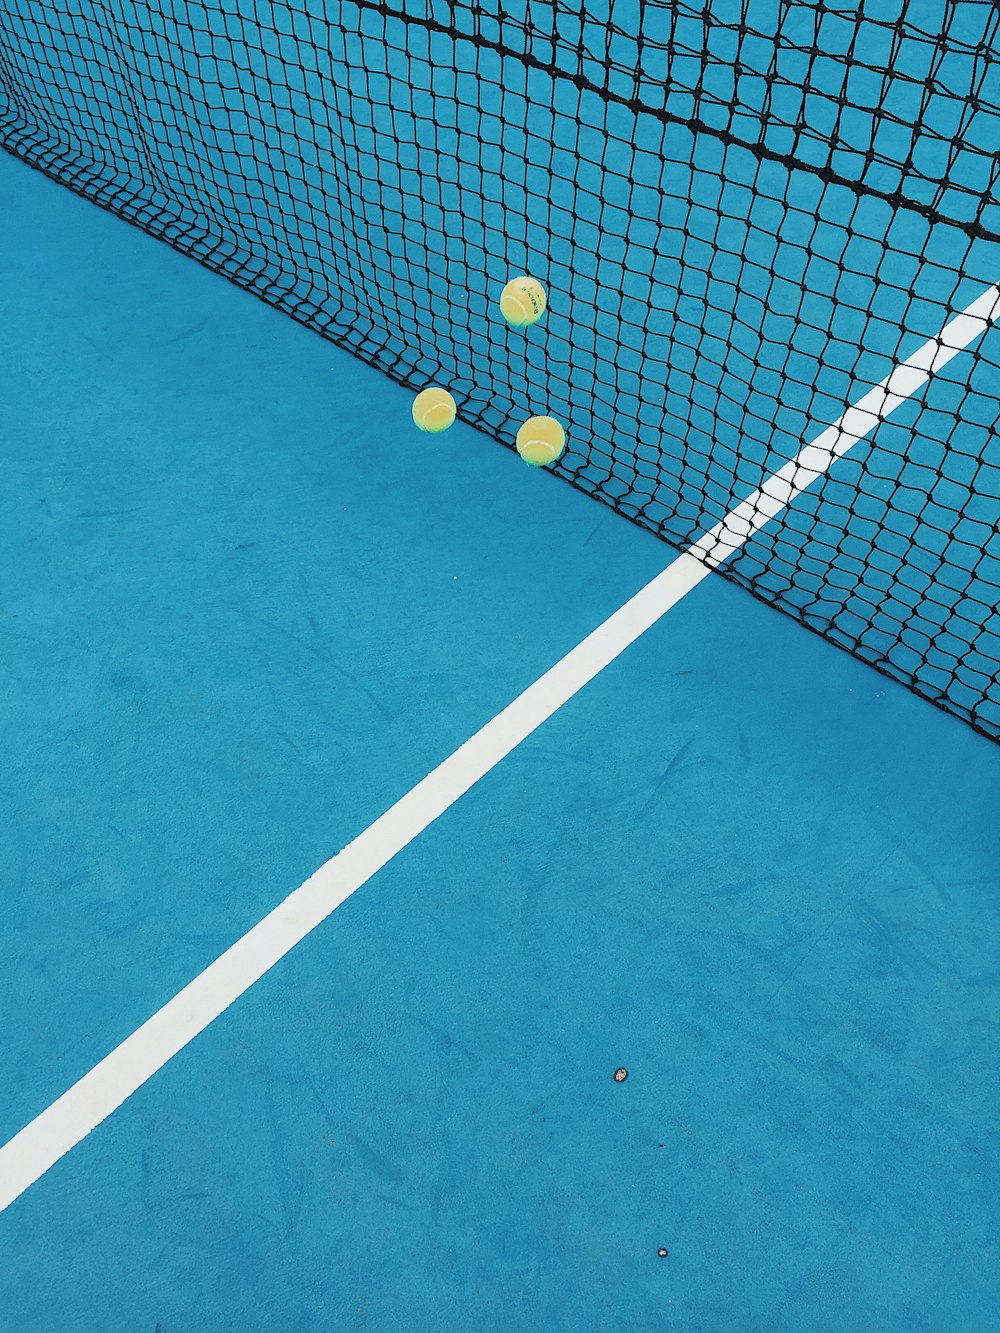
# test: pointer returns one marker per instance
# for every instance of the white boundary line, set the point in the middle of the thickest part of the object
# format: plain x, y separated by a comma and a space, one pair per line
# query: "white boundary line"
37, 1147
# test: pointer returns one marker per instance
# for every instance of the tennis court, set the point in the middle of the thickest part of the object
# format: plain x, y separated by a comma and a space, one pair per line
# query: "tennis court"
371, 800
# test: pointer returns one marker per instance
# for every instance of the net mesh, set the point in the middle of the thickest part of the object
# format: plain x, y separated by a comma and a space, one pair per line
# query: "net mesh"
742, 228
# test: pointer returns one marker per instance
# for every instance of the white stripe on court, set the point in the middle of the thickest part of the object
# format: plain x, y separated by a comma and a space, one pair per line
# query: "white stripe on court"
37, 1147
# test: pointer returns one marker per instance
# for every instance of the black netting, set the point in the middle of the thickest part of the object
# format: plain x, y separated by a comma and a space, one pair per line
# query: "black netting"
742, 228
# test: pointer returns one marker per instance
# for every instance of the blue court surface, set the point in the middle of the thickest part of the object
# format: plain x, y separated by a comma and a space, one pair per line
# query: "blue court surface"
246, 608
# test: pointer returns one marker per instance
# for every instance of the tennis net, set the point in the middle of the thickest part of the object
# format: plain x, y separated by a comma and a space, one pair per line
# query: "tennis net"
741, 227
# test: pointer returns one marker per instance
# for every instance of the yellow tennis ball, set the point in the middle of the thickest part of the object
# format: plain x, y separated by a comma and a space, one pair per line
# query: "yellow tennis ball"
434, 410
541, 440
522, 301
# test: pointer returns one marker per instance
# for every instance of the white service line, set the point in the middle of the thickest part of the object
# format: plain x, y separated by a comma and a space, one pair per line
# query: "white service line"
37, 1147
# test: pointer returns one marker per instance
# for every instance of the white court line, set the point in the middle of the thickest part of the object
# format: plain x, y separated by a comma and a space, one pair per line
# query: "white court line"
37, 1147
